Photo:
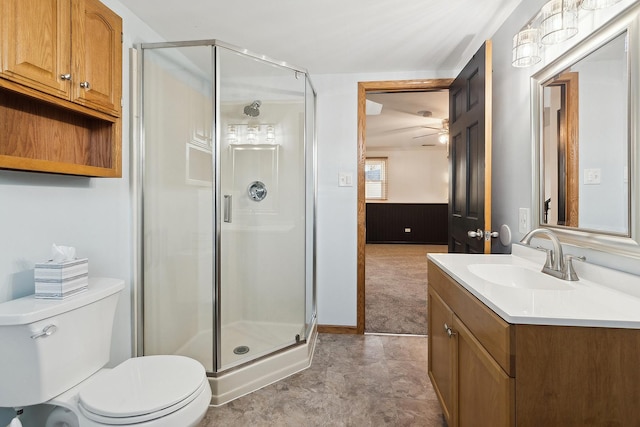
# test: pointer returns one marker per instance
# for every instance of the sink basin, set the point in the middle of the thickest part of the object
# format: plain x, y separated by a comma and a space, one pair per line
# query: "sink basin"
516, 276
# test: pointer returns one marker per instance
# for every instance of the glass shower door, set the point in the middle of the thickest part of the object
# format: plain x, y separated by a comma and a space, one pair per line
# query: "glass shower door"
178, 202
261, 202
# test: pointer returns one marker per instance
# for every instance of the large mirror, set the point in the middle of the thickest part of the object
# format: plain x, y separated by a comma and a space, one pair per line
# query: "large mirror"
585, 119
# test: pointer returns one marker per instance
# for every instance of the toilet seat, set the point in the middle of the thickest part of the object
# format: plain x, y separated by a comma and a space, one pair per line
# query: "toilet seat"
142, 389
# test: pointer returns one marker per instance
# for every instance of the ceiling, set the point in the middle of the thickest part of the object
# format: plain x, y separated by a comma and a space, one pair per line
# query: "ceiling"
407, 120
353, 36
336, 36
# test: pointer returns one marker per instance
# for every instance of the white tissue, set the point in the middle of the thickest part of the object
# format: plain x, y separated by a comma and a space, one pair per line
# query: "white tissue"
62, 253
15, 423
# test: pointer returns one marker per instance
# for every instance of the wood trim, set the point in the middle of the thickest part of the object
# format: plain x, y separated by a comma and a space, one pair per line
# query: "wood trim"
488, 132
331, 329
569, 82
363, 88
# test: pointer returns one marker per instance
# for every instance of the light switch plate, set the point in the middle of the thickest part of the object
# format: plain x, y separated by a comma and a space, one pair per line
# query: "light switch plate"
345, 179
592, 176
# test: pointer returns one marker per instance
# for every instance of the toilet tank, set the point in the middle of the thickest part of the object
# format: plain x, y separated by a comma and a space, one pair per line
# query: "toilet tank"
34, 366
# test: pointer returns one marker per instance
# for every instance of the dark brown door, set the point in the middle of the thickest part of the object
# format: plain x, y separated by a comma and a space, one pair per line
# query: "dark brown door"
470, 155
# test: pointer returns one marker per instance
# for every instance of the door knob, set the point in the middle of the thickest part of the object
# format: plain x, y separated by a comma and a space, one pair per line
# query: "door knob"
85, 85
65, 76
478, 234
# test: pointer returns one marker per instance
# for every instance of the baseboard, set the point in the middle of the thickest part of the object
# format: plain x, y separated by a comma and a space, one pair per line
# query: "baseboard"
332, 329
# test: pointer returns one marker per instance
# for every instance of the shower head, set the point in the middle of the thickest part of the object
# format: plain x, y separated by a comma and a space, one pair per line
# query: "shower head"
253, 110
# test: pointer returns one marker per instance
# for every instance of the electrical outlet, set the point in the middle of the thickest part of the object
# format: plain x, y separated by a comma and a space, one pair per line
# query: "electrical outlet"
524, 220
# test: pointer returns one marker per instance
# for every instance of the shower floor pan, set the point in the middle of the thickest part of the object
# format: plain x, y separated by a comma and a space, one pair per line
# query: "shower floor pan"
272, 365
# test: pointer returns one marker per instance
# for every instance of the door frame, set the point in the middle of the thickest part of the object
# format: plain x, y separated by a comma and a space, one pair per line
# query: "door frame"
363, 89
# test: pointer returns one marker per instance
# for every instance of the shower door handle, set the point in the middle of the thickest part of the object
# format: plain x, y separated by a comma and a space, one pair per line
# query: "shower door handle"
228, 207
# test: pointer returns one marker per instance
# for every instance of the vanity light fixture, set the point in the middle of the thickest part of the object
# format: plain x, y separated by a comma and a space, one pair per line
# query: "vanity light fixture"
271, 134
526, 48
558, 21
443, 138
253, 134
232, 134
597, 4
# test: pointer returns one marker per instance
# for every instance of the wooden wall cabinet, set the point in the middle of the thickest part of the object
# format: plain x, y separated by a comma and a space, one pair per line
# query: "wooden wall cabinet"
488, 372
60, 87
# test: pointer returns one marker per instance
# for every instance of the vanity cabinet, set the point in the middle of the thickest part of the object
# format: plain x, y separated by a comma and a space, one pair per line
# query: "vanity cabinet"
60, 87
488, 372
470, 356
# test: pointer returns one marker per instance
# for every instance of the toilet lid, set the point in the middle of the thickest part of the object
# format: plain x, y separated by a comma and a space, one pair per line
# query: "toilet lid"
142, 386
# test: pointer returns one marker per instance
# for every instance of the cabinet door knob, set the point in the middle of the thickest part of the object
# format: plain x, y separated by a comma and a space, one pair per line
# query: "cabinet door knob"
65, 76
448, 330
85, 85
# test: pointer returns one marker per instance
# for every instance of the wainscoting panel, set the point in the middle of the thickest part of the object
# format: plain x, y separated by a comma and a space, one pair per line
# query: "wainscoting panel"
423, 223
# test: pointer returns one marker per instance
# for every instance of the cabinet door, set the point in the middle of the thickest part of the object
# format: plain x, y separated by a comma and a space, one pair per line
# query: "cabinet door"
97, 56
486, 394
36, 39
441, 354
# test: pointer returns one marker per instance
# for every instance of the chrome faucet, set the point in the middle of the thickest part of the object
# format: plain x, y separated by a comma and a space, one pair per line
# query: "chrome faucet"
557, 264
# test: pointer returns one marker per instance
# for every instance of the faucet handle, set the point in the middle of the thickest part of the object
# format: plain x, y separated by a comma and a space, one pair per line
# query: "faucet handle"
568, 273
549, 261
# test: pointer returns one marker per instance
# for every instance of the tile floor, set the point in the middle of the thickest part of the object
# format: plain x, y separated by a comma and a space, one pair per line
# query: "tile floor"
354, 380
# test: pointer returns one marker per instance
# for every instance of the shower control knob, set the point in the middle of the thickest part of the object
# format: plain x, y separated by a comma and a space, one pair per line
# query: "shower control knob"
257, 191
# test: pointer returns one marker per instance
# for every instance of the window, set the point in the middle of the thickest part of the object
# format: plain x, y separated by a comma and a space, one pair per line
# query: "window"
375, 174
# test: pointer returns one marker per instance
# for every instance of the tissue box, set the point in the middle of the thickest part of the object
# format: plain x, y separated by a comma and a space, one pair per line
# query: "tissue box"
60, 280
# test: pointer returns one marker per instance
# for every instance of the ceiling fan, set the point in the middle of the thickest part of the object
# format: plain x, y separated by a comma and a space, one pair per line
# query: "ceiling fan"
442, 132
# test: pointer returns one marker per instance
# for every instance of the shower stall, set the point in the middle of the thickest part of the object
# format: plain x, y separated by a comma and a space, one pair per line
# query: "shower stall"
226, 193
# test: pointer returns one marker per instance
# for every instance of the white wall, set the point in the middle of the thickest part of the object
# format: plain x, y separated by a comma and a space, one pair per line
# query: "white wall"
337, 214
416, 175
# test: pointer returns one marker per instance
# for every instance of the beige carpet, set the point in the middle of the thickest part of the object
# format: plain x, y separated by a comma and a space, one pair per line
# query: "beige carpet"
396, 288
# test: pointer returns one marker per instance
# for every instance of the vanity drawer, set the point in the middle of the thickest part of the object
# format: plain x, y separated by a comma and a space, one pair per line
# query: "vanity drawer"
495, 335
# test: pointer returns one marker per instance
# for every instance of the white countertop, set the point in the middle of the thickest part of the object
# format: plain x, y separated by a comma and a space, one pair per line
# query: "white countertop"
601, 298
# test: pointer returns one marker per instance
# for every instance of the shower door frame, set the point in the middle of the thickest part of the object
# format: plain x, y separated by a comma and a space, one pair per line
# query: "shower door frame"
137, 172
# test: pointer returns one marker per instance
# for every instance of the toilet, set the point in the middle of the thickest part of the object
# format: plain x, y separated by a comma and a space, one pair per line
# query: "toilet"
55, 354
